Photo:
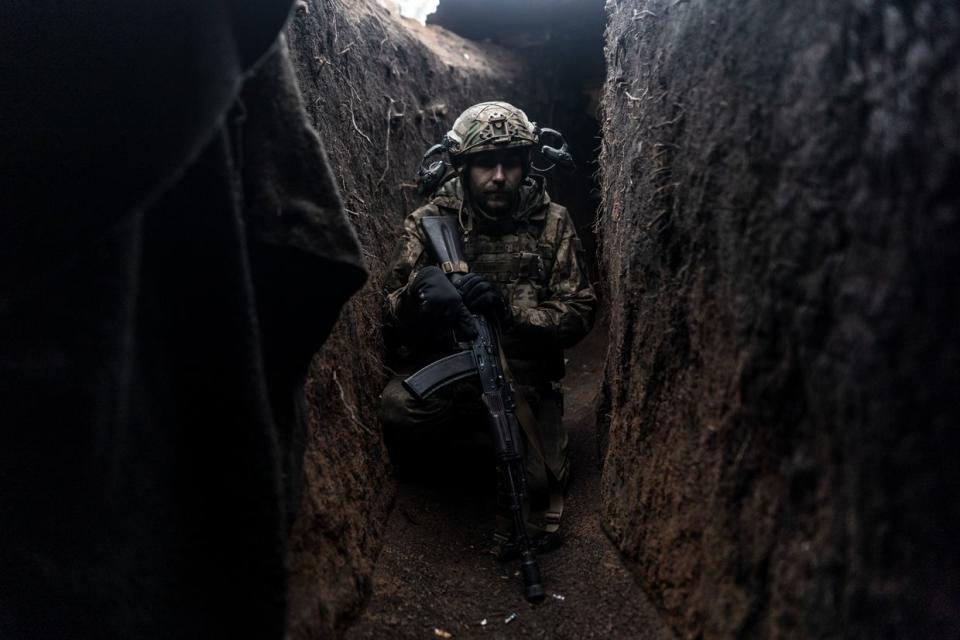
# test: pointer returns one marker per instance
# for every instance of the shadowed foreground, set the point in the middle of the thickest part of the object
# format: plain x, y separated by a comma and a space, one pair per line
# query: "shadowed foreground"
436, 570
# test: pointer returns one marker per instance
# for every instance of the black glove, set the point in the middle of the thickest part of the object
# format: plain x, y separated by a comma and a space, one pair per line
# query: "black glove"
482, 296
438, 304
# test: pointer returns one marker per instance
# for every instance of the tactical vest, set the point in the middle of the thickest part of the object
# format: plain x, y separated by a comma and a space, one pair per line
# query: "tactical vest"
520, 263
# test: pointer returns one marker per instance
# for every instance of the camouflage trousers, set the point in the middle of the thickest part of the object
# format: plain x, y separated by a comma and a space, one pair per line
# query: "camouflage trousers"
457, 413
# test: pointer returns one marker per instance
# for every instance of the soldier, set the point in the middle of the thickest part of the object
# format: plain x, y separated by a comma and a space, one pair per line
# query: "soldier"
527, 270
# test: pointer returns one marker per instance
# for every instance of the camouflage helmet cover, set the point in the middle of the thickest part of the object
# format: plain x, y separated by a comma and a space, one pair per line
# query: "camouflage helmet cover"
490, 125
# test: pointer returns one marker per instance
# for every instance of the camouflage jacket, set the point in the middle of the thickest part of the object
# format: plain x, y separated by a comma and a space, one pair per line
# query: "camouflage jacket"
534, 257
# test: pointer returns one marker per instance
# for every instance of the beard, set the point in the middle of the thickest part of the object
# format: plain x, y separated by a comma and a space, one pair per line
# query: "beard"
496, 203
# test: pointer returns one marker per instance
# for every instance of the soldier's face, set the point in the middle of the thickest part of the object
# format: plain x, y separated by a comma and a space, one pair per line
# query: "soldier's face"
494, 179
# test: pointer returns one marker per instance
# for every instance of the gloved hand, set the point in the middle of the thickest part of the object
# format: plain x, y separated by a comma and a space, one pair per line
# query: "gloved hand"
482, 296
438, 303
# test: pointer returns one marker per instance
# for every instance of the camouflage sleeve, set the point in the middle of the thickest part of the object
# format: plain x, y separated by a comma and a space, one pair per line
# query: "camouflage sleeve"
565, 315
408, 257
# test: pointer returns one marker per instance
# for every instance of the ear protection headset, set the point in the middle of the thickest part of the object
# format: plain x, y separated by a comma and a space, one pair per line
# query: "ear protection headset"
431, 176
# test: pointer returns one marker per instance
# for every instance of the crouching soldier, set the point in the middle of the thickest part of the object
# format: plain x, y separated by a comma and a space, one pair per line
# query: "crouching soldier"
524, 268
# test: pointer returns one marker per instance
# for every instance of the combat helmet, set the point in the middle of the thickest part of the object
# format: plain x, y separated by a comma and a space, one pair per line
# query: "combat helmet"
490, 126
484, 127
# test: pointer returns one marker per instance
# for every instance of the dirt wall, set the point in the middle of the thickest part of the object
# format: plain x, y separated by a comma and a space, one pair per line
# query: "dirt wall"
781, 245
381, 90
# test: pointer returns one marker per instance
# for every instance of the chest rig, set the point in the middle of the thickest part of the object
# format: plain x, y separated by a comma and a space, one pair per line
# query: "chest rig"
518, 261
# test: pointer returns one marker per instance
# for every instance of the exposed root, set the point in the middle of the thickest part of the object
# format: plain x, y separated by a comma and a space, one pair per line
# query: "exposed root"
386, 150
351, 411
353, 119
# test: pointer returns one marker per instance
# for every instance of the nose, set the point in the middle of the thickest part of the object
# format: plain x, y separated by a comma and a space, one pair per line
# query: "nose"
498, 174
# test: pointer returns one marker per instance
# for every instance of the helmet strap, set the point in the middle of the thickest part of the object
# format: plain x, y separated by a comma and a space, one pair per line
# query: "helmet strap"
466, 226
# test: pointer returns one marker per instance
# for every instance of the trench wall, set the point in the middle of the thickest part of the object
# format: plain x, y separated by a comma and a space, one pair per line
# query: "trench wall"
381, 90
781, 244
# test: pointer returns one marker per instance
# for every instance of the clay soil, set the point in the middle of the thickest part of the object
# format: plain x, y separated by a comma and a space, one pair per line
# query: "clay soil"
436, 574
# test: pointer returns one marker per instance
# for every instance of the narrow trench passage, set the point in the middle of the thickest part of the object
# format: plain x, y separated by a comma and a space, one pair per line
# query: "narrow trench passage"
437, 572
194, 264
756, 197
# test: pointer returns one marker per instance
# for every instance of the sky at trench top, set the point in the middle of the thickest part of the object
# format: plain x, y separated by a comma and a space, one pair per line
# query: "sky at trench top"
418, 9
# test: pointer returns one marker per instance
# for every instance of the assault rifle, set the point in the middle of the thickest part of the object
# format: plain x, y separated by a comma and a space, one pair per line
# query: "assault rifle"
482, 358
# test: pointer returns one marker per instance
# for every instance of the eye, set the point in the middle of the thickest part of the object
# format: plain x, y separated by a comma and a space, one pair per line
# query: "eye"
485, 162
512, 161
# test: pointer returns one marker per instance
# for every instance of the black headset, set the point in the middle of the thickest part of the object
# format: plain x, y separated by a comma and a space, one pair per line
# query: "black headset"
559, 156
430, 177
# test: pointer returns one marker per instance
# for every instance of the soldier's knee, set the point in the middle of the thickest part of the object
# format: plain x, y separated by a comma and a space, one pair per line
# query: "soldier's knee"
395, 405
400, 411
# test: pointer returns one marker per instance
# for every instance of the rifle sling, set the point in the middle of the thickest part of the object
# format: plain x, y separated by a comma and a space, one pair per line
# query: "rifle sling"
528, 422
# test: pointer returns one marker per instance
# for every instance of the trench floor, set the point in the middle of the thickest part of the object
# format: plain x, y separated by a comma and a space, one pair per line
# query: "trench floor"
436, 577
